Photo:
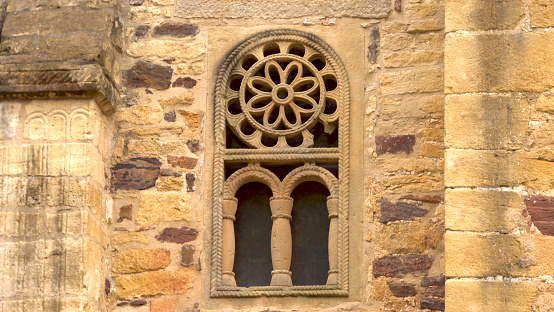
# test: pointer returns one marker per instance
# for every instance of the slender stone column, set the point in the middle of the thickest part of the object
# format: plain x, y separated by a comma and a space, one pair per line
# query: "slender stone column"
281, 240
229, 210
333, 208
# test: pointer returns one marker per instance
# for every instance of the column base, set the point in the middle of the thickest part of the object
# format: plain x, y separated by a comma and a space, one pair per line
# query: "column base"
228, 279
281, 278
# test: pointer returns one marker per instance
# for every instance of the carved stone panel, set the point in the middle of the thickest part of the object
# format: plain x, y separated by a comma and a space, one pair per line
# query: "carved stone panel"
281, 119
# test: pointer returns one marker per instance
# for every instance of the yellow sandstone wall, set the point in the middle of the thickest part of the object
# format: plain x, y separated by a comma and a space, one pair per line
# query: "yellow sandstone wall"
498, 170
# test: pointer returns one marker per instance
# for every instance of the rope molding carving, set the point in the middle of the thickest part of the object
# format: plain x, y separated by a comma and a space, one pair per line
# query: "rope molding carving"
271, 91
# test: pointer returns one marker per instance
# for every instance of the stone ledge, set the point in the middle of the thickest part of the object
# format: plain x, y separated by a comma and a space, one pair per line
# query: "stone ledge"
59, 80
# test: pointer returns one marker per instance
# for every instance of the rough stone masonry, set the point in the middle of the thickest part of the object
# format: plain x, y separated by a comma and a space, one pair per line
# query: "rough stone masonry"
107, 141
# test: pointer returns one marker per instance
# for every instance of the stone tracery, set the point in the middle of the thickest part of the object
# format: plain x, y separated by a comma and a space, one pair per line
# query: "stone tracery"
272, 92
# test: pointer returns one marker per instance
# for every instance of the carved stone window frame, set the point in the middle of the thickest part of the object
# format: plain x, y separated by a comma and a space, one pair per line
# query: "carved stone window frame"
224, 203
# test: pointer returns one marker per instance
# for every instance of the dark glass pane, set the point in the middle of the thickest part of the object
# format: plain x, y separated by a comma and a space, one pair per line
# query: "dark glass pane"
310, 232
253, 236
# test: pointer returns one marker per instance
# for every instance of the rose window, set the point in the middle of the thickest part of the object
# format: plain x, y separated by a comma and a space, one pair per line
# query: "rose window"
278, 92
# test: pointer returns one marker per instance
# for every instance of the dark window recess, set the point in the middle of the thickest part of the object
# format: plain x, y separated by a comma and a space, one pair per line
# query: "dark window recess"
253, 236
310, 234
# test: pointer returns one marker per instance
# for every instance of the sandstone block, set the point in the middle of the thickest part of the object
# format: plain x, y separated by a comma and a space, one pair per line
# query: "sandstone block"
187, 255
185, 82
192, 120
85, 48
543, 136
483, 15
419, 10
431, 40
400, 184
163, 2
482, 255
155, 147
396, 41
271, 9
470, 168
483, 210
432, 303
398, 266
147, 75
170, 184
395, 144
541, 210
426, 25
176, 235
490, 296
163, 305
499, 62
432, 104
9, 119
136, 173
406, 165
140, 260
412, 81
399, 211
125, 212
411, 59
190, 179
402, 289
185, 98
175, 29
128, 238
154, 283
435, 291
542, 13
545, 103
140, 32
409, 237
167, 48
432, 150
159, 207
141, 114
431, 134
486, 121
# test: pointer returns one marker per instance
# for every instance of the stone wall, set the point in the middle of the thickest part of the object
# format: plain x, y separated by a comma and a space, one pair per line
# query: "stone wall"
498, 168
106, 143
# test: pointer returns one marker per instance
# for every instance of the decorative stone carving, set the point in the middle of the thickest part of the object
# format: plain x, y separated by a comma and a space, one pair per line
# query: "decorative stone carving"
272, 92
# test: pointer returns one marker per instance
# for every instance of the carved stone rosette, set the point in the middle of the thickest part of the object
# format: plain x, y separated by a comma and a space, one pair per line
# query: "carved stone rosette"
271, 93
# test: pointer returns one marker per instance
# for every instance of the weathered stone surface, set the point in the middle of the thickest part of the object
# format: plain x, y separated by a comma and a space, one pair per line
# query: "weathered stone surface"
425, 25
541, 210
193, 145
165, 206
192, 120
499, 62
154, 283
412, 58
163, 305
483, 210
542, 12
185, 98
435, 291
482, 255
141, 114
483, 15
138, 303
155, 147
9, 119
182, 161
163, 2
424, 198
170, 184
167, 48
127, 238
545, 103
147, 75
190, 178
399, 211
136, 173
486, 121
141, 32
432, 303
409, 237
176, 235
136, 2
395, 144
433, 280
170, 116
373, 48
432, 104
490, 296
187, 255
432, 150
419, 10
412, 81
125, 212
402, 289
175, 29
185, 82
140, 260
396, 41
270, 9
398, 266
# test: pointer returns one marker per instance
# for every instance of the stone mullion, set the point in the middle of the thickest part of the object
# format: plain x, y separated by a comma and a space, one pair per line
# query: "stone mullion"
333, 209
281, 240
228, 258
